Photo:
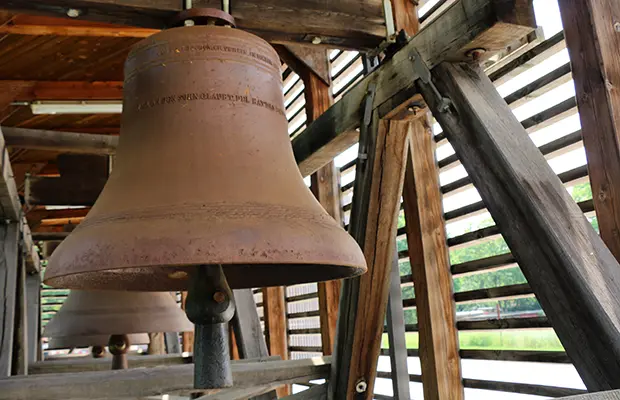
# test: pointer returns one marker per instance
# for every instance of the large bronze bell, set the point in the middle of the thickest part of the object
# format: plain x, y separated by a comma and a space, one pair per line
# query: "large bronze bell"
103, 312
204, 175
205, 194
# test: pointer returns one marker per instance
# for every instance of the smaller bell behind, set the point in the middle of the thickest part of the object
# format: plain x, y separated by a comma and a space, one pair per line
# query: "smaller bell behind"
69, 342
96, 313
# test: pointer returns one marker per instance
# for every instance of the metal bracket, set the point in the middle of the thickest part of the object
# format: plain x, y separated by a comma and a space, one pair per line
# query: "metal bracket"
366, 121
425, 75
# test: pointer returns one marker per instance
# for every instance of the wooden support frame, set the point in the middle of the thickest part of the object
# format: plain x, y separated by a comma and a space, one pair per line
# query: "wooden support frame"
574, 275
140, 382
474, 23
297, 22
591, 30
62, 142
8, 280
363, 303
20, 333
33, 296
430, 266
274, 310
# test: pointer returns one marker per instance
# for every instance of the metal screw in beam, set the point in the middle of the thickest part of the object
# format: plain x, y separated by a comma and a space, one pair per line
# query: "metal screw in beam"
361, 386
617, 26
73, 13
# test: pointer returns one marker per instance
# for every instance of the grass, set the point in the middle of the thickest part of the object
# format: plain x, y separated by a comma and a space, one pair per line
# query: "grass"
530, 339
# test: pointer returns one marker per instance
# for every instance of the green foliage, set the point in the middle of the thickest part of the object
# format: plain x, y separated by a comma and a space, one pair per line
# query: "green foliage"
582, 192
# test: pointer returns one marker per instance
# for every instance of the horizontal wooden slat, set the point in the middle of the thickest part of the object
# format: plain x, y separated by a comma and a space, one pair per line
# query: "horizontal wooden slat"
522, 388
504, 323
517, 355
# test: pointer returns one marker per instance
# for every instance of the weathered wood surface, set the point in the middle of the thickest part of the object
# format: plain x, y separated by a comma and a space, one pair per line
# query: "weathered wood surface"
10, 206
33, 262
143, 382
430, 265
8, 281
522, 388
33, 295
313, 59
318, 392
63, 191
20, 334
473, 23
274, 310
62, 142
395, 321
40, 25
248, 334
49, 236
596, 71
239, 394
276, 21
64, 90
574, 275
325, 185
85, 364
613, 395
373, 224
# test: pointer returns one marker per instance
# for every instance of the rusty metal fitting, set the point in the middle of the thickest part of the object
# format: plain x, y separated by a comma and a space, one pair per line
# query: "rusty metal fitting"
476, 54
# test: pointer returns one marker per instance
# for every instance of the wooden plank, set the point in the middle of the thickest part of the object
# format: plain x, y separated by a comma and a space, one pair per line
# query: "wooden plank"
517, 355
430, 265
249, 338
522, 388
575, 277
379, 180
274, 309
238, 394
40, 26
64, 90
141, 382
275, 20
86, 364
62, 142
49, 236
596, 72
52, 191
314, 59
613, 395
33, 263
10, 207
318, 392
33, 294
325, 184
405, 16
395, 324
474, 23
8, 281
20, 335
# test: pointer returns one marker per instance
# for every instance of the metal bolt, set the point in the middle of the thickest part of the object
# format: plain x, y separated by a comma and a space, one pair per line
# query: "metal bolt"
617, 26
316, 40
475, 54
219, 297
73, 12
361, 386
189, 22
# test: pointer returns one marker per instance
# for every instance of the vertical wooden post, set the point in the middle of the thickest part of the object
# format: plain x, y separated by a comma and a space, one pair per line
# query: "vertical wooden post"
187, 337
325, 184
374, 216
156, 344
573, 274
592, 32
9, 240
395, 321
248, 334
33, 295
20, 338
274, 306
430, 265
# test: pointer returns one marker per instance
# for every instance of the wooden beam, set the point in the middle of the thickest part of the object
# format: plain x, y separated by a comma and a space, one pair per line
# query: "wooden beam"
86, 364
75, 191
378, 181
314, 59
8, 281
63, 90
10, 207
395, 326
239, 394
318, 392
139, 382
33, 295
405, 16
298, 21
41, 25
325, 184
274, 309
33, 262
430, 266
20, 334
473, 24
49, 236
596, 71
248, 333
575, 277
62, 142
613, 395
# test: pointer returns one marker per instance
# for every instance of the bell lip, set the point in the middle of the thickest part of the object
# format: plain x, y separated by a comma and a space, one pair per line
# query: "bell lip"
157, 278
